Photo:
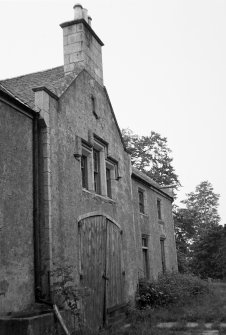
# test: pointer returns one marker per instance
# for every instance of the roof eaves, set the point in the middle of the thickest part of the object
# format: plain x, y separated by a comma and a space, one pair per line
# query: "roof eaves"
150, 182
14, 96
16, 103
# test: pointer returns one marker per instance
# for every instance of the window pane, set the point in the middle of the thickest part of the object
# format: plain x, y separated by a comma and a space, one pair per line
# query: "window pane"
96, 166
145, 262
145, 256
141, 201
108, 179
144, 242
159, 209
84, 171
163, 259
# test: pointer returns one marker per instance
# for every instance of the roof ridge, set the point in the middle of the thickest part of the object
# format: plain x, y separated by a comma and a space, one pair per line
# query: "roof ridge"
31, 73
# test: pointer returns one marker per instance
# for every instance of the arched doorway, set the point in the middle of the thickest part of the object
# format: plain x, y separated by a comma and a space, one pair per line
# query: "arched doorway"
101, 268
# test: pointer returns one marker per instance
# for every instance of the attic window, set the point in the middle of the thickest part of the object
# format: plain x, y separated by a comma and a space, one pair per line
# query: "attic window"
93, 103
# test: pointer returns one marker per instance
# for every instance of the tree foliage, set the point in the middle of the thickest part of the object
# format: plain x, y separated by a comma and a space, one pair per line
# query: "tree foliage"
198, 234
151, 155
202, 206
184, 232
209, 254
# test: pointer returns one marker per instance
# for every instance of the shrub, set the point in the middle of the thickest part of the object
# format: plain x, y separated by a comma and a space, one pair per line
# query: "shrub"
170, 288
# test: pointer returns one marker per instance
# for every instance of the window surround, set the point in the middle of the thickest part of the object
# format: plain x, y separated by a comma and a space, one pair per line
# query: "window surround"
105, 163
87, 152
141, 200
93, 106
159, 209
163, 254
101, 149
84, 170
145, 255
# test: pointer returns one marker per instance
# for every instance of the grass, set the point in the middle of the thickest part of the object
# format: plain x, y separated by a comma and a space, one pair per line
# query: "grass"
210, 307
205, 308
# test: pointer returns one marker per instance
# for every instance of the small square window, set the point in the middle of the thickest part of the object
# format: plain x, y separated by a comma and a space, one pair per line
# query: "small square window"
141, 200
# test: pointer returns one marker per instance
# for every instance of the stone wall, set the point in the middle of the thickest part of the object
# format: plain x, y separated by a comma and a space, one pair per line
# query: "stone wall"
16, 210
148, 224
74, 121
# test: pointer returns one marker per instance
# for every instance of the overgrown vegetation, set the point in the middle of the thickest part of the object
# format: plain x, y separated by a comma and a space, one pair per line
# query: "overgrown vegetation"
171, 288
207, 303
67, 295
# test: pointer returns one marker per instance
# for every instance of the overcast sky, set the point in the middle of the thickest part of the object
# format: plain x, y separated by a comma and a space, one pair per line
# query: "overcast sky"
164, 69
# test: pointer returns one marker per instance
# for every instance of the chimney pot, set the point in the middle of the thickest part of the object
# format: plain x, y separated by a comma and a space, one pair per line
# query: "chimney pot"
78, 11
89, 20
85, 14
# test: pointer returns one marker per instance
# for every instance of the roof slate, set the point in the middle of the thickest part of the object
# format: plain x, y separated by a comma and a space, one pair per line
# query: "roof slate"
53, 79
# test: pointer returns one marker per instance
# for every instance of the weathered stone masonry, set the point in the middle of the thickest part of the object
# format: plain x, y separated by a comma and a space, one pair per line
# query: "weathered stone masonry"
109, 222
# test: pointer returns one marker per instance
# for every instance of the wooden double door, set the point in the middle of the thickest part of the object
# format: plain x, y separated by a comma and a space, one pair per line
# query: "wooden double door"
101, 268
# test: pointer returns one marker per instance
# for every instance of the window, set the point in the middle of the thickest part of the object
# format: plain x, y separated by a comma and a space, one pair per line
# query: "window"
163, 258
99, 171
108, 180
85, 164
93, 103
96, 170
84, 171
141, 200
145, 255
111, 175
159, 209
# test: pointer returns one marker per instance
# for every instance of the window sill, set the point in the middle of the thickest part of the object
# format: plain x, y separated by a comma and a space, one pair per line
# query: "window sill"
144, 215
102, 197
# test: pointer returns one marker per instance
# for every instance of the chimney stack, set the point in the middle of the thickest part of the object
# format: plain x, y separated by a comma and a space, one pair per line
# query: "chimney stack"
82, 47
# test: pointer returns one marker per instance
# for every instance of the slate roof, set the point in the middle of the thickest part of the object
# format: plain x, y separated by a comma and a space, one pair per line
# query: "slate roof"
22, 87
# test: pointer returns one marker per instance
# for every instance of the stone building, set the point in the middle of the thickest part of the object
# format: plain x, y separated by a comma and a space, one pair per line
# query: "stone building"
70, 196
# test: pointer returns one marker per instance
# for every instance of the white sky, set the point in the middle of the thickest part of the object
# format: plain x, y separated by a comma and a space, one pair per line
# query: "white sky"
164, 69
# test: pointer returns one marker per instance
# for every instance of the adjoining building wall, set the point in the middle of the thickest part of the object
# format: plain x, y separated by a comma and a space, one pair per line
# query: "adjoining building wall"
157, 231
16, 210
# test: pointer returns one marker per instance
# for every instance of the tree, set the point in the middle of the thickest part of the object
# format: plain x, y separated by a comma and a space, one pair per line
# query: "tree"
202, 206
200, 246
151, 155
209, 254
184, 232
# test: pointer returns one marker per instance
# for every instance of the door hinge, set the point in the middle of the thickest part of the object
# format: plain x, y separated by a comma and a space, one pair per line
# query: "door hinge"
106, 278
